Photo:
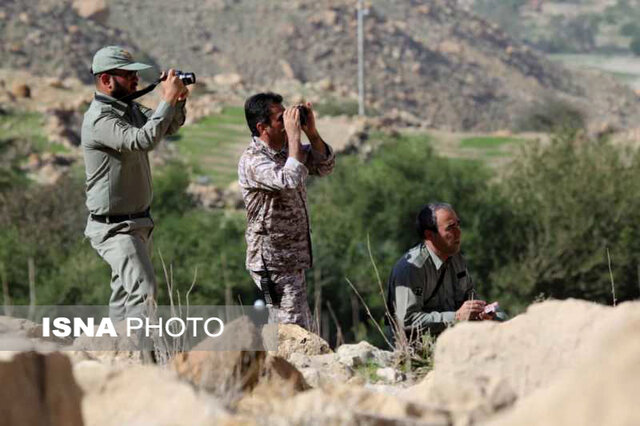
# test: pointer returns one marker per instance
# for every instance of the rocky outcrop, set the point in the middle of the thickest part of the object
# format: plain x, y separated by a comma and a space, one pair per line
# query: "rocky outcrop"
433, 62
39, 389
348, 404
601, 386
50, 37
279, 380
210, 196
294, 339
225, 366
92, 9
63, 126
142, 395
483, 368
363, 353
321, 370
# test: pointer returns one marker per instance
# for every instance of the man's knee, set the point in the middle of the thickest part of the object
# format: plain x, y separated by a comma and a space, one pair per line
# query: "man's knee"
128, 256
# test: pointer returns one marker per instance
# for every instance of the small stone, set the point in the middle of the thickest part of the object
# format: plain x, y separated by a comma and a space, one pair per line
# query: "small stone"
21, 90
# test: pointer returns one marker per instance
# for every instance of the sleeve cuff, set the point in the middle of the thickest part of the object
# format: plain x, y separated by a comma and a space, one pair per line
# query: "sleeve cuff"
293, 163
324, 155
164, 109
449, 317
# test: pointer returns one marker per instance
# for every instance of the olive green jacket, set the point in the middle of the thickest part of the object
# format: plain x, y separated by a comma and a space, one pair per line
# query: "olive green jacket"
412, 298
116, 138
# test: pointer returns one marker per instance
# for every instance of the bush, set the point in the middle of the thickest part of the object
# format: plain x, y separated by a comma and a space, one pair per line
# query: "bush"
630, 29
379, 199
570, 201
211, 243
43, 223
634, 46
170, 191
551, 115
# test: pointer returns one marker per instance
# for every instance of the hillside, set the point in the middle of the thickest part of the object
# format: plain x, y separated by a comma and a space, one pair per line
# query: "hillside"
48, 37
432, 59
557, 26
429, 62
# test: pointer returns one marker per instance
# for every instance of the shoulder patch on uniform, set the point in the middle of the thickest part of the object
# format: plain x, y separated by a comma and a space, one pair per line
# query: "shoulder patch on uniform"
461, 274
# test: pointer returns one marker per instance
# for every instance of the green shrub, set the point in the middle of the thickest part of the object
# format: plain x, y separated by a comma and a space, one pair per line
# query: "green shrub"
634, 46
43, 223
570, 201
551, 115
379, 199
333, 107
630, 29
211, 243
170, 191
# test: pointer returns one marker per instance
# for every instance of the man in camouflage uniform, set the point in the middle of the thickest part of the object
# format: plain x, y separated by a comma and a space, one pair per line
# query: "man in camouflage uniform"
116, 139
430, 287
272, 174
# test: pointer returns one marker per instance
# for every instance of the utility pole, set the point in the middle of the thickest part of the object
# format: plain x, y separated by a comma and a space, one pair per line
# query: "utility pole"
361, 12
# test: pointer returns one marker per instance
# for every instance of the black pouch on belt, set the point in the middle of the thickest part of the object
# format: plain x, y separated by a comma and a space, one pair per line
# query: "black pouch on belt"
268, 287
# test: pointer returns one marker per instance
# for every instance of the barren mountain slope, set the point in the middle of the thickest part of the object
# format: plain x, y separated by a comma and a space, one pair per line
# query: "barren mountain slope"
431, 58
48, 37
443, 65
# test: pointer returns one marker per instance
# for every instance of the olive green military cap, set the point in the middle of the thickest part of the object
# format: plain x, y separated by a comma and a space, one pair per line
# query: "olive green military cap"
115, 57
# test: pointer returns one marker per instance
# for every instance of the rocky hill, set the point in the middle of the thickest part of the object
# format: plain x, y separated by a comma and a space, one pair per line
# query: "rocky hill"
50, 38
432, 63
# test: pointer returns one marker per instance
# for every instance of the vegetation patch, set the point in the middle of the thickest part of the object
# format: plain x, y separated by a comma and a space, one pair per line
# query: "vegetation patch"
488, 142
214, 144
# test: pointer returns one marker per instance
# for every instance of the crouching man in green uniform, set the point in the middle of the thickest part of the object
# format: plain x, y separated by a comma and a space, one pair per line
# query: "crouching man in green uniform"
116, 138
430, 287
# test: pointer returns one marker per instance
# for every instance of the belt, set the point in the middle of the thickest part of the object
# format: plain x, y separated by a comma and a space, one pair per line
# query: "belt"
119, 218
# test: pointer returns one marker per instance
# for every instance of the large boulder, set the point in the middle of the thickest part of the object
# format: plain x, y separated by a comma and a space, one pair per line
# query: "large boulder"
107, 349
348, 404
278, 380
364, 353
97, 10
39, 389
321, 370
143, 395
602, 386
484, 367
22, 335
294, 339
213, 366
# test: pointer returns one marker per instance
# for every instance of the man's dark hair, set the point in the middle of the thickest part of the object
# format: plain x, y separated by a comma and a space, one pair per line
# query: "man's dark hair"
426, 220
257, 109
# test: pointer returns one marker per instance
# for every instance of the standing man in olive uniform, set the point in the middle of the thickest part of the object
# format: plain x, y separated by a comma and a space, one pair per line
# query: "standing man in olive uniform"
116, 139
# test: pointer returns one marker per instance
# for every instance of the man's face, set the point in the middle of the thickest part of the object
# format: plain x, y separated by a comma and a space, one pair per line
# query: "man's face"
124, 82
448, 238
275, 129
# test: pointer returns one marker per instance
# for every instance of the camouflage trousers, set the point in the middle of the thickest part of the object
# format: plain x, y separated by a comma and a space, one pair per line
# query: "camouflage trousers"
292, 288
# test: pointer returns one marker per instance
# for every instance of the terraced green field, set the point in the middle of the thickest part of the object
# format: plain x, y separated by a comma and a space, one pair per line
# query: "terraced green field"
489, 146
214, 145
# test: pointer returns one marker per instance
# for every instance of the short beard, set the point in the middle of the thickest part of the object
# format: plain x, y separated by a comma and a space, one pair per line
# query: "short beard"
119, 91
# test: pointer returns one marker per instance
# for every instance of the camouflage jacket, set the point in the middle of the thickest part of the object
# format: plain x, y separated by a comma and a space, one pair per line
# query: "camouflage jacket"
275, 196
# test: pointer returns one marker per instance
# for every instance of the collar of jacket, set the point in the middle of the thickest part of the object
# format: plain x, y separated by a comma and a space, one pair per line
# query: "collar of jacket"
421, 253
261, 146
119, 107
